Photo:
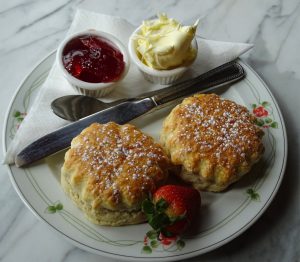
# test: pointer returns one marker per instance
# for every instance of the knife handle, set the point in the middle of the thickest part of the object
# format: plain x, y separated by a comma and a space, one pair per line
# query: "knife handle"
222, 75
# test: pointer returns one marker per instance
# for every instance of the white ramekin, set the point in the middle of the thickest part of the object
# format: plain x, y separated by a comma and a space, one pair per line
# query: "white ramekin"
163, 77
86, 88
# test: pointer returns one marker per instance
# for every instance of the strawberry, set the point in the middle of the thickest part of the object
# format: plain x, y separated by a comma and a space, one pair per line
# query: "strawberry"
171, 209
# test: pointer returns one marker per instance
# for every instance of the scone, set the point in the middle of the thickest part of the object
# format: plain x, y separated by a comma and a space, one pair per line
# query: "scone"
110, 169
215, 141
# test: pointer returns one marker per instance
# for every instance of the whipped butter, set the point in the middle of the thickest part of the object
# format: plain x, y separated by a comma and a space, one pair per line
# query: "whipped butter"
164, 43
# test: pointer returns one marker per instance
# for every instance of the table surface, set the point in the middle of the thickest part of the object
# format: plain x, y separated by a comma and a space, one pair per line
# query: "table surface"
32, 29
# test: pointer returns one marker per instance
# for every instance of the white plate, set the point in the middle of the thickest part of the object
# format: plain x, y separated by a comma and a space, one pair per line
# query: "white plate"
224, 215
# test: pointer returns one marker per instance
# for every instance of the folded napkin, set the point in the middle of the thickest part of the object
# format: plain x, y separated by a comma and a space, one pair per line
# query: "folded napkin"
40, 120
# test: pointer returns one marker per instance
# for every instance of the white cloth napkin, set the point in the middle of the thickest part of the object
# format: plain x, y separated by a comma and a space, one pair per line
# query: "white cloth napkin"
40, 120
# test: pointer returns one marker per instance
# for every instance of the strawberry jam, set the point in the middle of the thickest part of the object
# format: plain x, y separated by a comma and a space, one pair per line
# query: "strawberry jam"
93, 59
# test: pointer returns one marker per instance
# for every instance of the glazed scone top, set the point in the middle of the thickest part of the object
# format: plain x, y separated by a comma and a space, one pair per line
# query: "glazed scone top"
218, 130
114, 166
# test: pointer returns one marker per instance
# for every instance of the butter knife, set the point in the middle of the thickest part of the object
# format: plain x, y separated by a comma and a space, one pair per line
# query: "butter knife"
127, 111
75, 107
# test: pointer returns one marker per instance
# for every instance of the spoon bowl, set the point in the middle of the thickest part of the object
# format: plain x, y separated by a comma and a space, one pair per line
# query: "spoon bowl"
75, 107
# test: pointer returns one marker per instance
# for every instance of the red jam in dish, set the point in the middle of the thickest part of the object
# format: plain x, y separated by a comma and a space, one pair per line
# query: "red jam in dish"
93, 59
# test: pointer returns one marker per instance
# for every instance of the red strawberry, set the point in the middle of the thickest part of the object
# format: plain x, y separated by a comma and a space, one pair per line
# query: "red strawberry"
172, 209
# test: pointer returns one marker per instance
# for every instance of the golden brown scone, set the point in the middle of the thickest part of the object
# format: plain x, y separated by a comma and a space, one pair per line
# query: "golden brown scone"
215, 141
110, 169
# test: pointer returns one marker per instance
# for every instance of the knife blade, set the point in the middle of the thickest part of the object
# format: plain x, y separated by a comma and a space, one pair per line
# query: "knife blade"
61, 138
126, 111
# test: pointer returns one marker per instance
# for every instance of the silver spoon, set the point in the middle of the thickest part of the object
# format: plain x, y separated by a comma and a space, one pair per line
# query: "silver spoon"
75, 107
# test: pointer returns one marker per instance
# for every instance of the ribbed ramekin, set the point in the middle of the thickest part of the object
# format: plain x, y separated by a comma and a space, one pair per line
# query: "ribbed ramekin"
86, 88
163, 77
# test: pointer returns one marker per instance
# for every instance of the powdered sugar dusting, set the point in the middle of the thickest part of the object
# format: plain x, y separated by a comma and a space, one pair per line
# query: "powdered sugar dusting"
122, 162
219, 130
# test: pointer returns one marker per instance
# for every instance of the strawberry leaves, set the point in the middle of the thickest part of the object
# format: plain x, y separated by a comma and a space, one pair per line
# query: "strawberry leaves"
169, 211
157, 217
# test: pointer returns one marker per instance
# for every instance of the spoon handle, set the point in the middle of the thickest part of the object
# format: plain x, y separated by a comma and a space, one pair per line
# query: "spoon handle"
222, 75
